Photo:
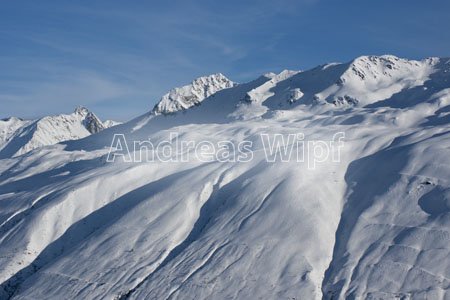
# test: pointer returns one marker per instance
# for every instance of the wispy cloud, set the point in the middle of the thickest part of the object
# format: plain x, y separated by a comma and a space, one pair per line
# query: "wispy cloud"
107, 54
93, 53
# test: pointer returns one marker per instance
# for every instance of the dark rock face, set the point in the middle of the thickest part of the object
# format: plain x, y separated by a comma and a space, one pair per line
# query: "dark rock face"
92, 123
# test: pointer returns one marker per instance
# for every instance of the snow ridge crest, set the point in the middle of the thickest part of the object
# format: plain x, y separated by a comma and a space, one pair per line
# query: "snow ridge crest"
184, 97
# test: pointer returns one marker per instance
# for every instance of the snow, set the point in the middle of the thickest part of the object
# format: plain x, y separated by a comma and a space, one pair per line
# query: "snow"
373, 226
192, 94
111, 123
7, 128
19, 136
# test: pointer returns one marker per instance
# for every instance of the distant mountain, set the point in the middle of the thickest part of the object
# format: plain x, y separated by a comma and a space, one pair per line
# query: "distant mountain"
192, 94
8, 127
110, 123
19, 136
368, 221
363, 81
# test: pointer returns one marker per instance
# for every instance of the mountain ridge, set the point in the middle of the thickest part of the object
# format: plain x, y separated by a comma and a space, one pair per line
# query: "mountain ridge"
184, 97
25, 135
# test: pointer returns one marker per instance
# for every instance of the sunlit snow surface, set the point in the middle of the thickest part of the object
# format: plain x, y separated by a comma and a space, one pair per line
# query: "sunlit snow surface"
375, 225
19, 136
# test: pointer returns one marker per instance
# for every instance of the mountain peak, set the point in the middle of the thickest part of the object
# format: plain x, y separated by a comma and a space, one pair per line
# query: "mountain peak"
19, 136
368, 79
11, 119
93, 123
90, 121
81, 110
184, 97
372, 66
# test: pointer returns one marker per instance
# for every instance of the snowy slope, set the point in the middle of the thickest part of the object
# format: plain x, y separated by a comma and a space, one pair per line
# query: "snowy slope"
110, 123
365, 80
192, 94
8, 127
374, 225
20, 136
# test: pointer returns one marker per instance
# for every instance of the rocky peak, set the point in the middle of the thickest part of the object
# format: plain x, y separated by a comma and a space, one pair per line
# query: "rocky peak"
192, 94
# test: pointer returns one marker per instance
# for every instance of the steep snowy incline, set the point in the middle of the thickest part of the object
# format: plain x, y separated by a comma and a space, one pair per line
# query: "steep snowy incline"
187, 209
19, 137
393, 239
373, 225
192, 94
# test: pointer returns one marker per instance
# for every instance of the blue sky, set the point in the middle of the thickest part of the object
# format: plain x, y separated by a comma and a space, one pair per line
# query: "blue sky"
118, 57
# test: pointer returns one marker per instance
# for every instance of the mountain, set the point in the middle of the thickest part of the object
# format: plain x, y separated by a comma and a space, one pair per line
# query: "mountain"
365, 217
192, 94
21, 136
89, 120
365, 80
110, 123
8, 126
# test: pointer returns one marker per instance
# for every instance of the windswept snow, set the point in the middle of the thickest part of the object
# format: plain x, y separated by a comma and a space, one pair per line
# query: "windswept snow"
374, 225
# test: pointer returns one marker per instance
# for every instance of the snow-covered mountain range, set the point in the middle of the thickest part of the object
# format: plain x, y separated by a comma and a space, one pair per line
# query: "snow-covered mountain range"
372, 225
18, 136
